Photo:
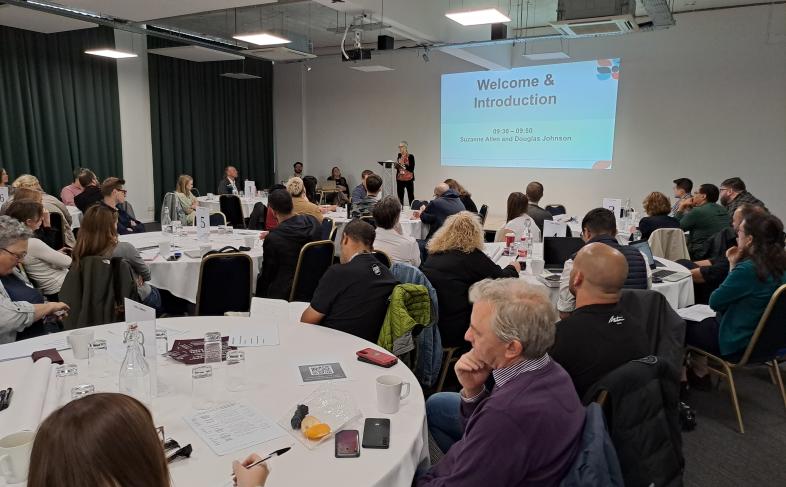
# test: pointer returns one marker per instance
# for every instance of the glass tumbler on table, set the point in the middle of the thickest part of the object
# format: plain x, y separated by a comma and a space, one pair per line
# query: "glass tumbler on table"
235, 370
202, 391
82, 390
98, 358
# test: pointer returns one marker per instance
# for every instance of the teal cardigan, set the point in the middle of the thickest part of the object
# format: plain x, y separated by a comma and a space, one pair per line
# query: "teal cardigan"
740, 302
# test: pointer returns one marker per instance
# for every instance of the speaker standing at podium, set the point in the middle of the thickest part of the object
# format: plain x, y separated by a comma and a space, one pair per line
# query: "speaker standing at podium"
405, 177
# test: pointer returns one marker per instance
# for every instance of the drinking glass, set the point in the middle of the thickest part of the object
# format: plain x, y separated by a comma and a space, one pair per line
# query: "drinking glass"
202, 393
236, 370
82, 390
66, 376
162, 342
98, 358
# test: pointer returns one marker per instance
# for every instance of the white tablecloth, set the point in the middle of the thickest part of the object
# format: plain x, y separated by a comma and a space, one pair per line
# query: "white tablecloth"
76, 216
181, 277
274, 389
247, 204
409, 227
679, 294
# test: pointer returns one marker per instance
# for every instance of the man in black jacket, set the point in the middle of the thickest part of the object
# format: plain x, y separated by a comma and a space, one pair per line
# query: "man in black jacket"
91, 194
534, 194
228, 185
600, 225
282, 245
445, 203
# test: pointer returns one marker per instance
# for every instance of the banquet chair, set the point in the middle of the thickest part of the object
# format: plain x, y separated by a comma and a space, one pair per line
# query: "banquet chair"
328, 229
312, 263
383, 258
170, 207
765, 347
217, 218
230, 207
56, 230
451, 357
195, 192
556, 209
669, 243
483, 213
225, 284
256, 221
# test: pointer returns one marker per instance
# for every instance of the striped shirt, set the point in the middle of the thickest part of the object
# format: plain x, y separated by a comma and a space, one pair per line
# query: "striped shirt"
505, 375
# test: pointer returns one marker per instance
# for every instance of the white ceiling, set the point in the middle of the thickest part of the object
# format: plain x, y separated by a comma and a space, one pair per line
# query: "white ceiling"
139, 10
23, 18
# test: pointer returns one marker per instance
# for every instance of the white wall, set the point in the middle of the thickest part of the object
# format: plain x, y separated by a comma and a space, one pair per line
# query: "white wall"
134, 97
705, 99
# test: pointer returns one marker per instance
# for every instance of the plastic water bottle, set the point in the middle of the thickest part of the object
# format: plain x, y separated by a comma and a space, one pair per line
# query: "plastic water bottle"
166, 220
213, 348
134, 377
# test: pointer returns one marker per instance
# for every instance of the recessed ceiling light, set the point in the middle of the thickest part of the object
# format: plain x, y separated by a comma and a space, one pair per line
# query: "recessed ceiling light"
546, 56
111, 53
262, 39
478, 17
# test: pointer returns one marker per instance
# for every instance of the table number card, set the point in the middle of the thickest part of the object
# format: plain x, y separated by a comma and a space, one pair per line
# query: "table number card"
202, 223
3, 194
250, 189
554, 229
613, 204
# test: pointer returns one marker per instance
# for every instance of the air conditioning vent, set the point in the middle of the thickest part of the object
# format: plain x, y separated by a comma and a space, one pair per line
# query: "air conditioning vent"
597, 27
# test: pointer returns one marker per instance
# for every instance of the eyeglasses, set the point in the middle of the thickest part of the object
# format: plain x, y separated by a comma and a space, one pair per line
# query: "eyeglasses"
124, 191
724, 189
19, 257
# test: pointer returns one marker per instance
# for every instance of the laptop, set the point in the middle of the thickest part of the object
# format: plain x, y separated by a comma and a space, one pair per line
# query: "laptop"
644, 247
664, 274
328, 185
556, 250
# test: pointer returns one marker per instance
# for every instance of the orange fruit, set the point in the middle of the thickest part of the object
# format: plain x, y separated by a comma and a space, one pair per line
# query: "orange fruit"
317, 431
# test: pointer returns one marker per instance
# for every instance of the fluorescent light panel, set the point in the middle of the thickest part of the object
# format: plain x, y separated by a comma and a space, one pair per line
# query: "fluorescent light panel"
478, 17
114, 54
373, 68
262, 39
545, 56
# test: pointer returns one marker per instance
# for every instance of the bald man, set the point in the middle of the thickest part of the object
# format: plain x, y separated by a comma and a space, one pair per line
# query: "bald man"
598, 336
446, 202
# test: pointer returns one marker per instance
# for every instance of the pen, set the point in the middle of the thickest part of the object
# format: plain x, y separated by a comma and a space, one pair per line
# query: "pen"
274, 454
2, 399
8, 397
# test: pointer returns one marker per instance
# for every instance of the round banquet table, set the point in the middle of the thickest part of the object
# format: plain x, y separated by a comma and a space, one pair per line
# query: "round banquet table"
181, 277
247, 204
679, 294
409, 227
273, 389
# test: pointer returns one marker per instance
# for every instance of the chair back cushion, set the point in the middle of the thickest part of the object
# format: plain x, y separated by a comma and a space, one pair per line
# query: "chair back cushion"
314, 260
256, 221
556, 209
224, 283
771, 341
230, 207
327, 228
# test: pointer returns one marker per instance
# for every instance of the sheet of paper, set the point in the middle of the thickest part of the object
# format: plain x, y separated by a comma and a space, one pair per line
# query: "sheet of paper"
232, 427
697, 312
613, 204
202, 223
319, 372
269, 338
145, 318
25, 348
24, 412
554, 229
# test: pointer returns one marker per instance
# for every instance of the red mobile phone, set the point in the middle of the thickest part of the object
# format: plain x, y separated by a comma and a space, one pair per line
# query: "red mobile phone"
376, 357
348, 444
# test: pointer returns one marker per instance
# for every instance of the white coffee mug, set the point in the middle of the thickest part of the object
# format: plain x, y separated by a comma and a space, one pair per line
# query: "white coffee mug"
537, 266
164, 247
390, 391
79, 341
250, 240
15, 456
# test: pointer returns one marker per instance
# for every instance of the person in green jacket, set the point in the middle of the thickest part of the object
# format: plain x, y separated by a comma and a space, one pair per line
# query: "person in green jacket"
758, 269
703, 217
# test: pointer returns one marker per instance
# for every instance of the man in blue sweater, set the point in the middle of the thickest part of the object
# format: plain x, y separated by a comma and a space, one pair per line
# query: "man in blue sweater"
517, 420
445, 204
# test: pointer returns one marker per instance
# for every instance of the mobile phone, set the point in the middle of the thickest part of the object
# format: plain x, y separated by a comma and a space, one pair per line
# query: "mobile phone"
376, 433
523, 263
371, 356
347, 444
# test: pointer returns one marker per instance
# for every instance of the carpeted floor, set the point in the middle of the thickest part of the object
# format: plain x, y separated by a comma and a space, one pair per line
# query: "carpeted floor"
717, 455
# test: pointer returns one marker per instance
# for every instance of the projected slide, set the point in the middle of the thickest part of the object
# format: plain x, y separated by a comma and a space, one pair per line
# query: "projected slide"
552, 116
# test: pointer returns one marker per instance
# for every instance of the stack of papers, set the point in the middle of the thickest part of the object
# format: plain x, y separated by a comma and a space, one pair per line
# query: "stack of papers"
697, 312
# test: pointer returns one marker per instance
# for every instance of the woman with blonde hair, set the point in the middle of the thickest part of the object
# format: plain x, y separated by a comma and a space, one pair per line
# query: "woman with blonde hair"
657, 207
455, 262
186, 199
51, 204
464, 195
